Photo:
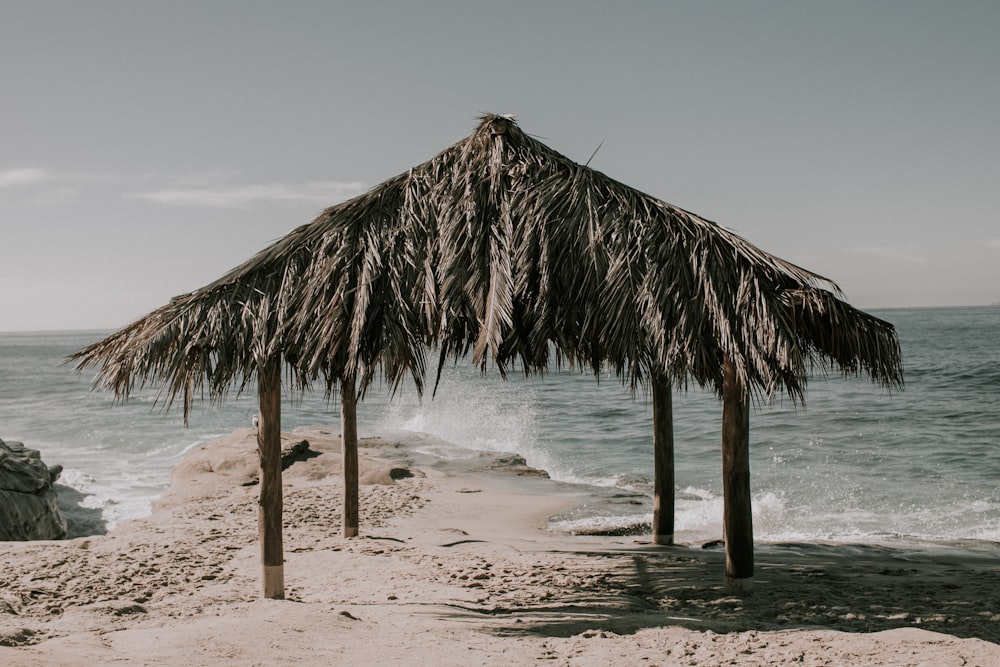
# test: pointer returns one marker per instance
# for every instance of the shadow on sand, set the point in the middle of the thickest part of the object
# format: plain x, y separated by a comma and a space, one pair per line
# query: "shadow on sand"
852, 588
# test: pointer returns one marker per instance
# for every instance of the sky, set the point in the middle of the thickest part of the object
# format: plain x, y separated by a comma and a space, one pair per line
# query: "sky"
148, 147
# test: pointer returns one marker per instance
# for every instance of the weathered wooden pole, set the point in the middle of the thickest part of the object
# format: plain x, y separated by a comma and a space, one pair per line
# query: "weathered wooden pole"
269, 506
349, 450
663, 460
737, 518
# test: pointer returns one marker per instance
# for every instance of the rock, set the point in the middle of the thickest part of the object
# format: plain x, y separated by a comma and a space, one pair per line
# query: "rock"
371, 473
511, 463
295, 451
29, 508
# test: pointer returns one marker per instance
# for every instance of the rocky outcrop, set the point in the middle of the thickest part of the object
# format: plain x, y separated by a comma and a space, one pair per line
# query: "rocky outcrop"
29, 509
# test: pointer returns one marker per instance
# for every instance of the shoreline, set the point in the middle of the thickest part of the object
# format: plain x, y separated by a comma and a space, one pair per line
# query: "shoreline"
459, 568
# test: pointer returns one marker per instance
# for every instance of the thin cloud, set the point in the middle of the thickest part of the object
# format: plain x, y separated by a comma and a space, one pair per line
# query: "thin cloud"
10, 178
891, 252
45, 186
239, 196
207, 189
993, 243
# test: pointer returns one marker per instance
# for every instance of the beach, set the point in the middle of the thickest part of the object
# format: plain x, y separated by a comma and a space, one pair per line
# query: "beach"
459, 569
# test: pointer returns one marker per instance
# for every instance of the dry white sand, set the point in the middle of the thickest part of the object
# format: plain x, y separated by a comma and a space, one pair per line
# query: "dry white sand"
458, 570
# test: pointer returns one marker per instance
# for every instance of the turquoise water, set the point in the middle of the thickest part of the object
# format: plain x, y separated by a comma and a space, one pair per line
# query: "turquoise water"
854, 464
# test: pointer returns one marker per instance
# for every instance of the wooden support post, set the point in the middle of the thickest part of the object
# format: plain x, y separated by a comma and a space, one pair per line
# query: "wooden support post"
737, 518
663, 460
269, 506
349, 449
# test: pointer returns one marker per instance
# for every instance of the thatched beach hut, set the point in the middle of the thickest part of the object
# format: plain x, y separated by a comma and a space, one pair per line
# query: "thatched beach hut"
505, 249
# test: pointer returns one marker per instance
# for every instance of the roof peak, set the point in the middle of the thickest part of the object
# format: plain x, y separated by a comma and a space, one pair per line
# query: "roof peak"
498, 123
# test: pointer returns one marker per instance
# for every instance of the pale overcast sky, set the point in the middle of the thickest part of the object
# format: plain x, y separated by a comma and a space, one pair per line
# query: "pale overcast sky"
148, 147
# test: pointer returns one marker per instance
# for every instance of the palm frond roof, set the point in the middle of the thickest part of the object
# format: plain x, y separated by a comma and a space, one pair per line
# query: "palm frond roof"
502, 247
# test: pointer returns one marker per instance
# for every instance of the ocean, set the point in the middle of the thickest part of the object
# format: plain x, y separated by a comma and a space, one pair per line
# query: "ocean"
855, 464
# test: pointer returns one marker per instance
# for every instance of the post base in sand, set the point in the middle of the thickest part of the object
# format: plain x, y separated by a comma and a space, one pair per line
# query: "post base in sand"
739, 586
350, 531
663, 540
274, 582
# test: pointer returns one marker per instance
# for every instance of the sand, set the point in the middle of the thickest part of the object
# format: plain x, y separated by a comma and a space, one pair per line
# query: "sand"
460, 570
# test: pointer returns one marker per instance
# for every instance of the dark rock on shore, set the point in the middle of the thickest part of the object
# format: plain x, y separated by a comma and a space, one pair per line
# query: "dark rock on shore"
29, 508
